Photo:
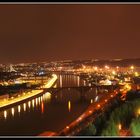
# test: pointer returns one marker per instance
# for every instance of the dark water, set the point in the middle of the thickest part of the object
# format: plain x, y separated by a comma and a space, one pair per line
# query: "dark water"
49, 112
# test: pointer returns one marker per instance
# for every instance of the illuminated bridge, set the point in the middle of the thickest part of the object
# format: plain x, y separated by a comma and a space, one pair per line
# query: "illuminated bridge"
83, 89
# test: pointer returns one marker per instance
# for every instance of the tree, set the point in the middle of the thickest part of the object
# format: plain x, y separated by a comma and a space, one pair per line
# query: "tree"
111, 130
89, 131
135, 126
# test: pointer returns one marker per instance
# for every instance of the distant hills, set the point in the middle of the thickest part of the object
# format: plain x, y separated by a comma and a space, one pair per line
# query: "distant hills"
92, 62
111, 62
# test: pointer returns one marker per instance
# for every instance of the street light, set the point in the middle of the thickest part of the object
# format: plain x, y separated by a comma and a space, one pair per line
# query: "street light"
114, 72
106, 67
105, 100
111, 96
67, 127
117, 67
90, 111
100, 69
95, 68
132, 67
136, 74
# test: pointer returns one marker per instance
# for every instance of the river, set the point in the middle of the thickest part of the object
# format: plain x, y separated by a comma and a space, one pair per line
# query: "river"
49, 112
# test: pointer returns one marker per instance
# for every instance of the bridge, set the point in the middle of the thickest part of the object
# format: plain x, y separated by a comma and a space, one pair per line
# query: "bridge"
96, 90
81, 89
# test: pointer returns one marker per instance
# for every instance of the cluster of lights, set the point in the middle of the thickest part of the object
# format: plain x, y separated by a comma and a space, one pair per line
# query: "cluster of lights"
105, 100
132, 67
95, 68
107, 67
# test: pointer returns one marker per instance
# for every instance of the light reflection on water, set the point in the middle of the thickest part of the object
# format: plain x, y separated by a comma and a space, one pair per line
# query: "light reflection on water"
69, 106
45, 97
27, 106
60, 81
33, 103
5, 114
36, 101
19, 108
39, 100
24, 106
42, 107
13, 111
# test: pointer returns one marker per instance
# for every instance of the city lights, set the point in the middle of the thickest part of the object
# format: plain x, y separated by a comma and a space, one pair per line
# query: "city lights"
105, 100
136, 74
107, 67
95, 68
90, 111
113, 72
117, 67
101, 77
67, 127
70, 70
111, 95
132, 67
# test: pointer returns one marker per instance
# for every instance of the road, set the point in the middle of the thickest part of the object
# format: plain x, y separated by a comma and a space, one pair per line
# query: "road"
24, 96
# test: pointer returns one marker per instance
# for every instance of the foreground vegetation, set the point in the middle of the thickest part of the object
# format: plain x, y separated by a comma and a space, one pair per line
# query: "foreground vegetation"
125, 116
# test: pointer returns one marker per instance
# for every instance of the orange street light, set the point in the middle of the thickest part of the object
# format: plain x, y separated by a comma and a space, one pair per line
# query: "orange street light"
132, 68
105, 100
117, 67
113, 72
90, 111
67, 127
107, 67
111, 96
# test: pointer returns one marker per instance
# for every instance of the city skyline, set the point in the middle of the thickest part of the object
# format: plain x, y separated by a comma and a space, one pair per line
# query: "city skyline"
69, 70
36, 33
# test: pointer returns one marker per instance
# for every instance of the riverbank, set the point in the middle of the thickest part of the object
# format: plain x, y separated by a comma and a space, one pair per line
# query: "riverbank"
8, 102
123, 120
90, 114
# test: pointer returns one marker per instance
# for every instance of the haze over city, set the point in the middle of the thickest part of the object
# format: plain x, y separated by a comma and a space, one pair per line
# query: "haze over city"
36, 33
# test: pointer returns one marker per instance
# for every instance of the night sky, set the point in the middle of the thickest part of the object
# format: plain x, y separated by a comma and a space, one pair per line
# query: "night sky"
35, 33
